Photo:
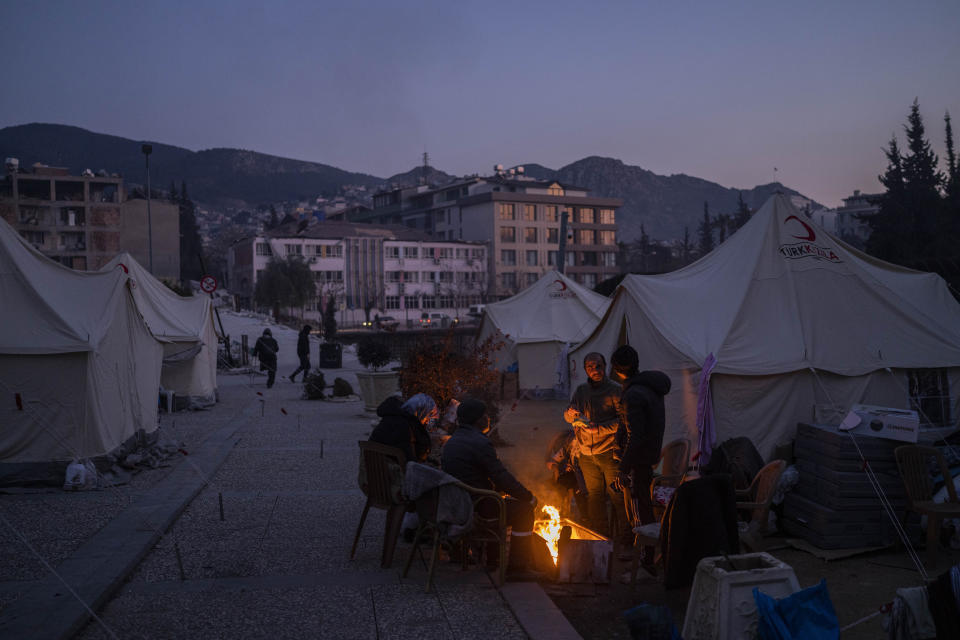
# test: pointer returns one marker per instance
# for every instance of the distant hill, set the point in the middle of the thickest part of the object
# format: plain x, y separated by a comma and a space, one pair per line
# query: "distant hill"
663, 204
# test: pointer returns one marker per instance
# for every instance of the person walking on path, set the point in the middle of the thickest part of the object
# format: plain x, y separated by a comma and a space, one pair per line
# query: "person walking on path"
469, 457
644, 418
303, 352
594, 412
266, 350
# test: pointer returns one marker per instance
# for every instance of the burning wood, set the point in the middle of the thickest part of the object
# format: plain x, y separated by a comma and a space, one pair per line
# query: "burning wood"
578, 553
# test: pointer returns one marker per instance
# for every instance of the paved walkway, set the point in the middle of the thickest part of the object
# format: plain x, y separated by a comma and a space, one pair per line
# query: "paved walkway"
275, 565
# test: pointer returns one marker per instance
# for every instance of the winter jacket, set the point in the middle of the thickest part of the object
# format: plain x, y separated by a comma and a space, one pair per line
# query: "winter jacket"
642, 400
266, 349
599, 402
399, 429
469, 457
303, 345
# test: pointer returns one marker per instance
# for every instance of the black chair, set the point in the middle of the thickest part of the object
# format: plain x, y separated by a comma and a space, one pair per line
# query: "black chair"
384, 474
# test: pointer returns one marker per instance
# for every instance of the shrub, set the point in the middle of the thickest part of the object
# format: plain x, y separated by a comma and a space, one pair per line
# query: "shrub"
341, 388
443, 374
373, 353
314, 384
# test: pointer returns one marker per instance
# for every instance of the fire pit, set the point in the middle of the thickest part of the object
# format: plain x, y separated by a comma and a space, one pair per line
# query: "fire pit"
579, 554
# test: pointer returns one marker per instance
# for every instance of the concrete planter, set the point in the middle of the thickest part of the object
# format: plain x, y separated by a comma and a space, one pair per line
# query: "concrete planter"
377, 386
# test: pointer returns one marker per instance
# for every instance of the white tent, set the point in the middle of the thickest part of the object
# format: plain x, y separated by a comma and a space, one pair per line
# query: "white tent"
795, 318
538, 324
184, 324
79, 369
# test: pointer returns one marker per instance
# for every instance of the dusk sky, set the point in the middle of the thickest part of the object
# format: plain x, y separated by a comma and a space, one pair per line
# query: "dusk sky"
724, 91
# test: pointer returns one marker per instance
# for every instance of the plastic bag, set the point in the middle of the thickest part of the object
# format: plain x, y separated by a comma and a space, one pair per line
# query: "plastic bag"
807, 614
80, 476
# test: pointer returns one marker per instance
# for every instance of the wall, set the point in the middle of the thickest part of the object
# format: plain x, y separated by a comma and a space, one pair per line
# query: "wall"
165, 218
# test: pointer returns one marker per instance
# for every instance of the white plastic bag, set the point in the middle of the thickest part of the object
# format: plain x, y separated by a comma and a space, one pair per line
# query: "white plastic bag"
81, 476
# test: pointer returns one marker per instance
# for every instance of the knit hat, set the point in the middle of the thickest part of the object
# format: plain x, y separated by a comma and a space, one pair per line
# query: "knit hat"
470, 411
625, 360
267, 332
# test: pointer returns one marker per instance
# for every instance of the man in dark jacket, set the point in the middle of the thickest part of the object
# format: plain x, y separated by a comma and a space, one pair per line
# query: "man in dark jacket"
266, 349
594, 412
469, 456
644, 418
303, 352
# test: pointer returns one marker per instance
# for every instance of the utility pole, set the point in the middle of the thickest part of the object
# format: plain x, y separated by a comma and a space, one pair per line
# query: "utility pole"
147, 150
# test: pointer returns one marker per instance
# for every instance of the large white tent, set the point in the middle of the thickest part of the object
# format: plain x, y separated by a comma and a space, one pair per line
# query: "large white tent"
79, 368
184, 324
538, 325
795, 319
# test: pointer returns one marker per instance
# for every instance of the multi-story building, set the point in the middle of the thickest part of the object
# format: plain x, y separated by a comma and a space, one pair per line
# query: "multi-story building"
368, 270
851, 220
519, 220
83, 221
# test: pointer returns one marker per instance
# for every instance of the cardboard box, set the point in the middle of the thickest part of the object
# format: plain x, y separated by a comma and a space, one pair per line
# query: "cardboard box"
882, 422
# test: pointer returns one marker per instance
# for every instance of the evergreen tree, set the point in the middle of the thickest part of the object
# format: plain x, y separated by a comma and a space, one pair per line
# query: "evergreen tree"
274, 221
191, 246
330, 320
173, 190
284, 283
723, 223
952, 179
889, 227
922, 181
743, 213
644, 248
705, 232
686, 247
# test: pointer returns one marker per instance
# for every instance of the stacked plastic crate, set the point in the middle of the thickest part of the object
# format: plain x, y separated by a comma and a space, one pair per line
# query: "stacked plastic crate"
835, 506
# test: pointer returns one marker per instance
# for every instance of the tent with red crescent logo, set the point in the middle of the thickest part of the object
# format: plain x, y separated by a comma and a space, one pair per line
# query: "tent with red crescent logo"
76, 355
538, 324
184, 325
795, 319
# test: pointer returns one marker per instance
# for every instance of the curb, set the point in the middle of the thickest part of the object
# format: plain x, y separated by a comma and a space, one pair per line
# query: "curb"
537, 613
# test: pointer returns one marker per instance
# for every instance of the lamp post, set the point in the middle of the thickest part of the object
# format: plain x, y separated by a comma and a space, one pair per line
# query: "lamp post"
147, 150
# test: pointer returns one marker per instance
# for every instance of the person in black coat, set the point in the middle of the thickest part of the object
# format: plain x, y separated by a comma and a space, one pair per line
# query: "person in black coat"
266, 350
403, 425
469, 457
644, 418
303, 352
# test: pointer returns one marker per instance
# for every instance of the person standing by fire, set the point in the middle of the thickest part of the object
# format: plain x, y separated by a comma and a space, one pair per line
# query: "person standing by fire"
644, 418
594, 412
469, 457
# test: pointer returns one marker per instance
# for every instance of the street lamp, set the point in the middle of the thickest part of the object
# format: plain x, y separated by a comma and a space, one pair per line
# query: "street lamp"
147, 150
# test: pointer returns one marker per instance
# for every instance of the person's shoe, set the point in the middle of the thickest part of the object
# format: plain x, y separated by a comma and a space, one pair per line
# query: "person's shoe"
292, 379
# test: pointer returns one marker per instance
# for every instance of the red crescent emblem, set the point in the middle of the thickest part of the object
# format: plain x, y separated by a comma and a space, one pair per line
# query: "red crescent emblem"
810, 237
124, 267
563, 285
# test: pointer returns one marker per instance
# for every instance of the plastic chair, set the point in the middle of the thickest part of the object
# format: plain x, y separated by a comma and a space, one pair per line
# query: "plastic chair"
913, 461
674, 459
384, 468
485, 530
757, 498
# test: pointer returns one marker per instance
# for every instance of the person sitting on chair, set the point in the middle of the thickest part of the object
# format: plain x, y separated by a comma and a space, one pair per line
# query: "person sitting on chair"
469, 456
403, 425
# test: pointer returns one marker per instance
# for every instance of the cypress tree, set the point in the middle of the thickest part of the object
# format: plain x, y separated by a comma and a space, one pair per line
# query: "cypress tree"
922, 181
890, 225
705, 232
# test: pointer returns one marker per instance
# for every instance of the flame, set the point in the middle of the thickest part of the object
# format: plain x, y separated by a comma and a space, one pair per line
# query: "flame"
549, 529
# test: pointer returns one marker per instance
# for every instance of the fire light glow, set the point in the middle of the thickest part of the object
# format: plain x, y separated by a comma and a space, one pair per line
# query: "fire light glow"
549, 529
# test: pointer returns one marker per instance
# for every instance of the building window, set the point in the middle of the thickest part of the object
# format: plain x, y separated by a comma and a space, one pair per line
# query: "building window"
507, 211
552, 258
529, 212
461, 254
553, 235
446, 276
550, 213
508, 234
531, 258
411, 276
608, 259
607, 237
394, 276
589, 280
508, 257
392, 252
332, 251
293, 249
445, 302
585, 236
586, 215
555, 189
531, 278
607, 216
930, 396
410, 302
410, 252
429, 276
508, 280
476, 253
392, 302
263, 249
428, 252
588, 259
429, 302
530, 234
570, 259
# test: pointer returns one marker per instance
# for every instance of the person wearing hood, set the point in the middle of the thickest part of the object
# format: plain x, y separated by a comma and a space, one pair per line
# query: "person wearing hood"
404, 425
644, 419
266, 350
303, 352
594, 412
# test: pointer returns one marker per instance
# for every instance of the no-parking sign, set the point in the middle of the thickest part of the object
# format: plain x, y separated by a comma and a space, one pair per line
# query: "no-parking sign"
208, 284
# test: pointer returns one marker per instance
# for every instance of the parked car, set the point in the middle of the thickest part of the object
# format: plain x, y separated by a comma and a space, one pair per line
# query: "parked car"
475, 313
434, 320
387, 323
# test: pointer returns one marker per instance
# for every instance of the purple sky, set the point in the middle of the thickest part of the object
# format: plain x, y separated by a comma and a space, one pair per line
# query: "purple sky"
720, 90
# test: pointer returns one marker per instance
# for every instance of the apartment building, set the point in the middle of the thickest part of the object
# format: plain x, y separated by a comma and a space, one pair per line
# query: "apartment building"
518, 218
368, 270
851, 220
84, 221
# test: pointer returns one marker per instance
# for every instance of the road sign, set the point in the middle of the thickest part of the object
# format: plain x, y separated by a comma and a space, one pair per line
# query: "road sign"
208, 284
